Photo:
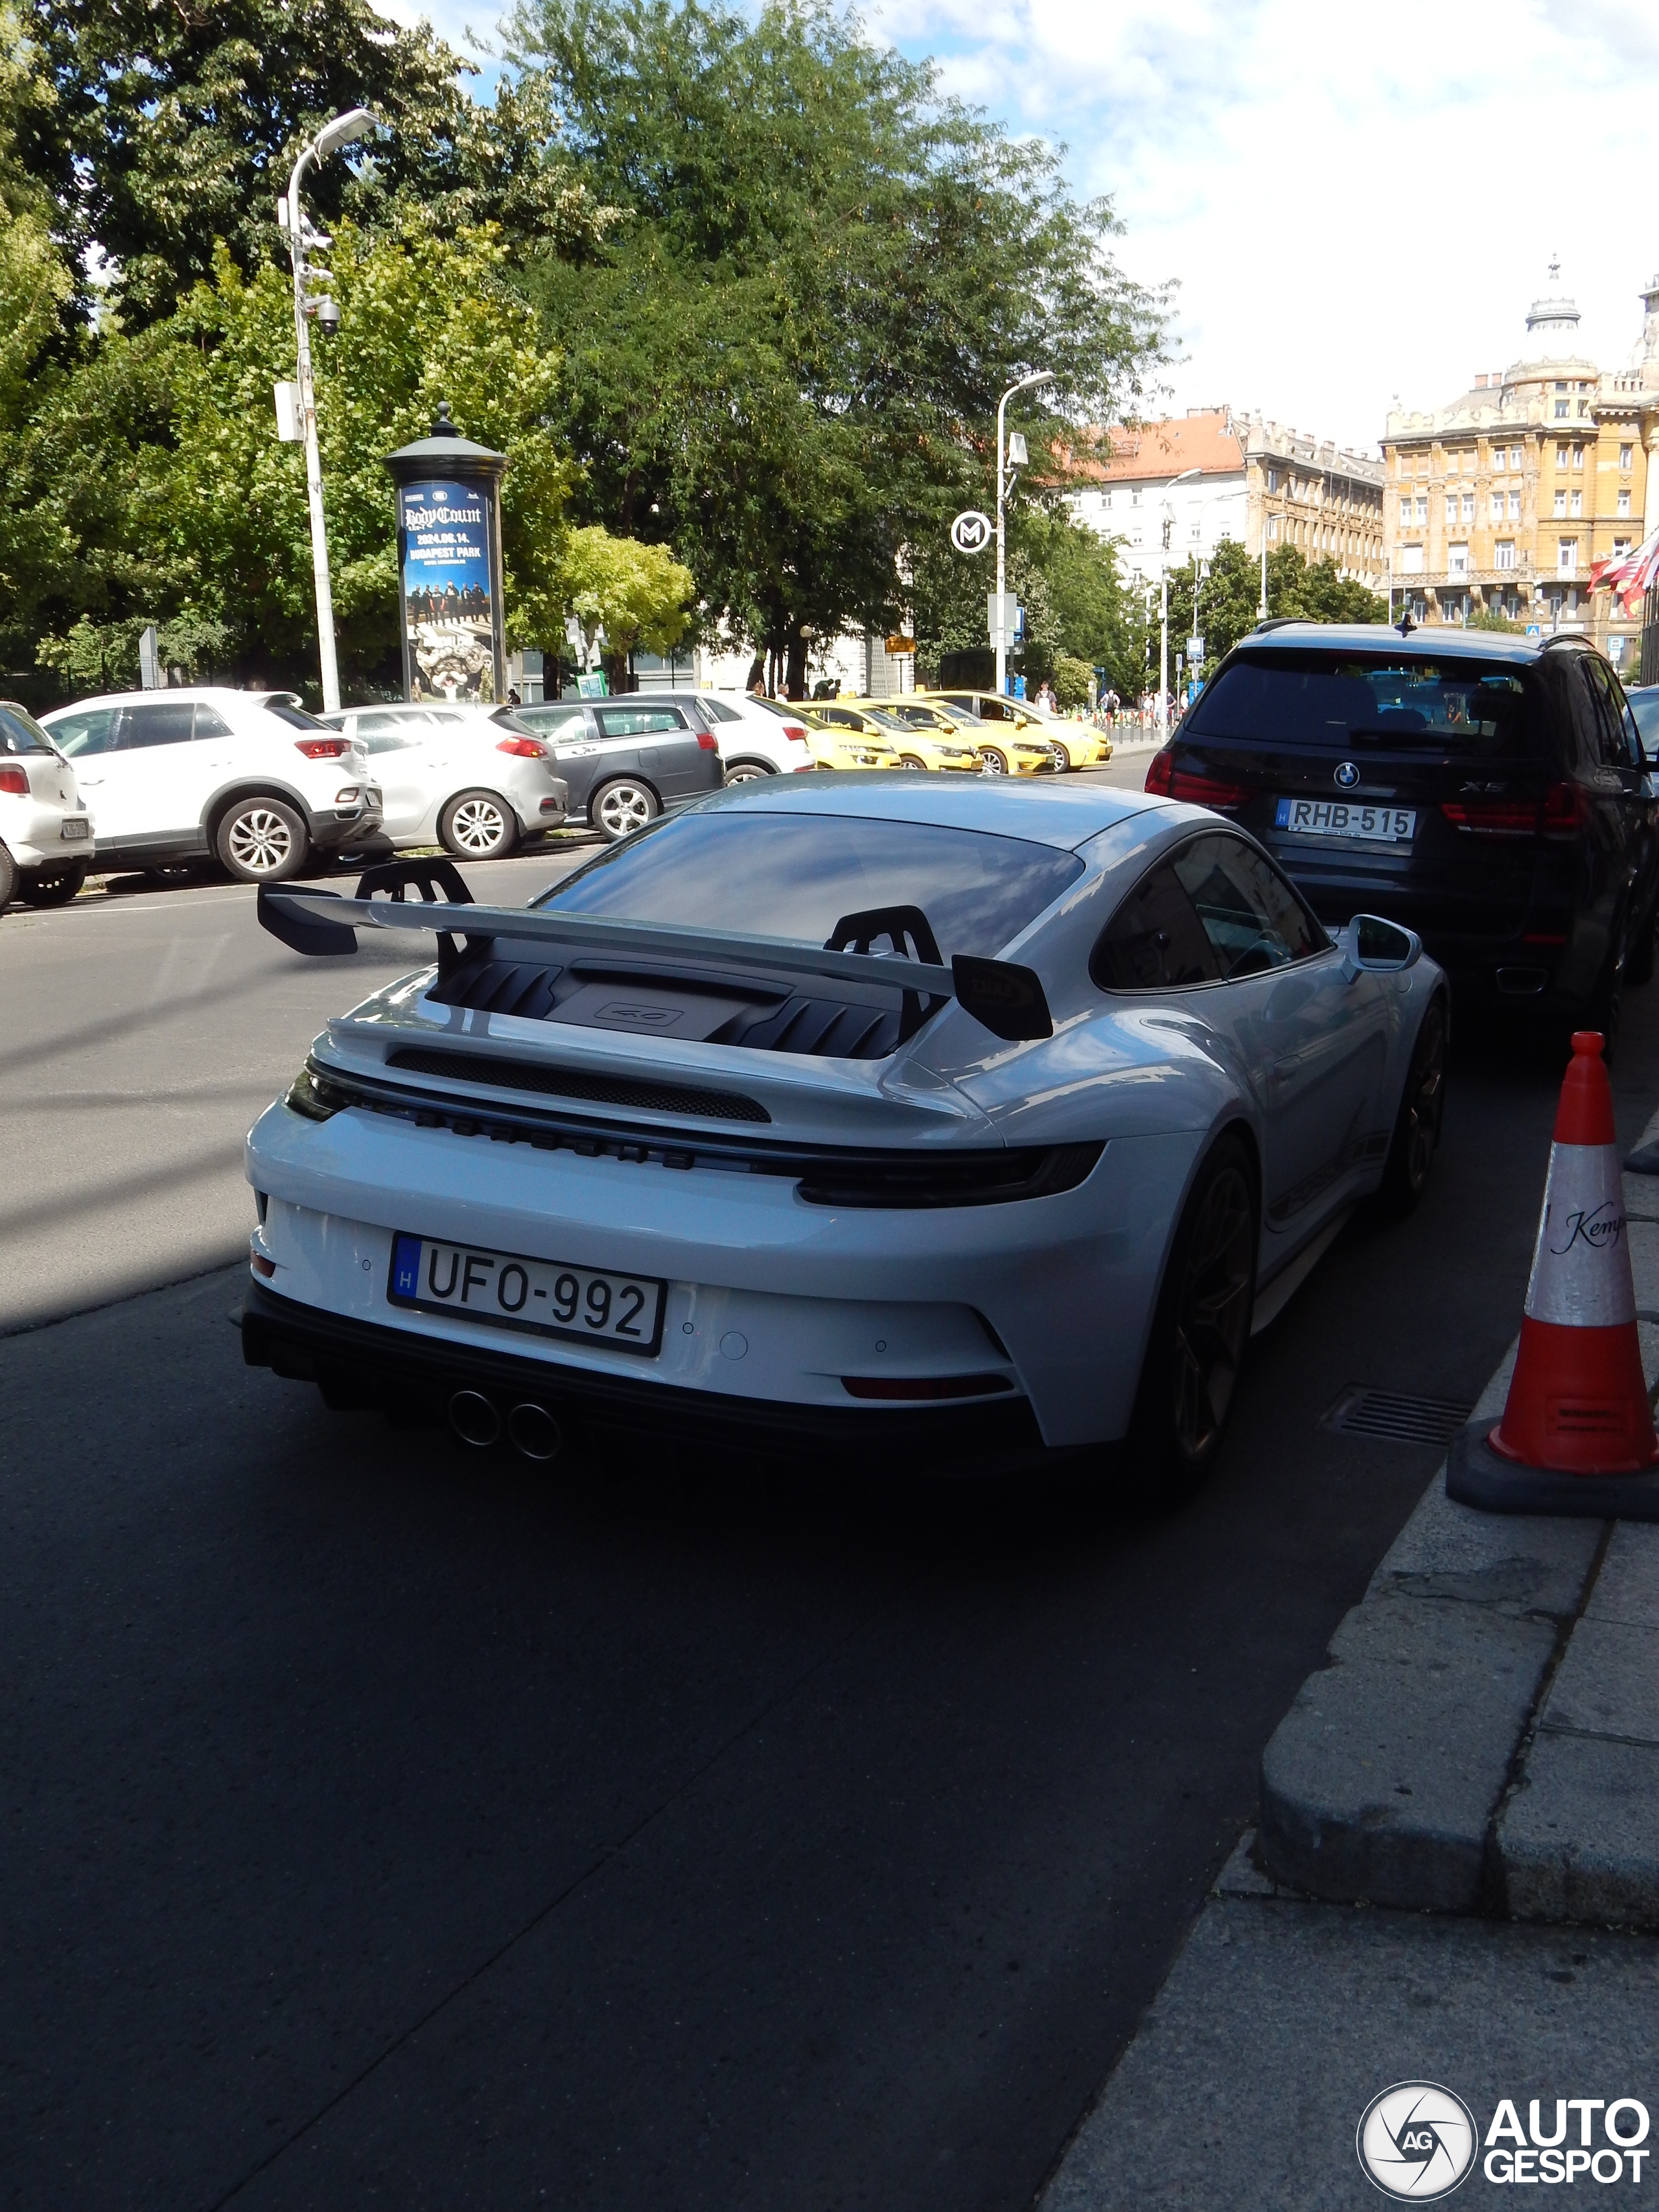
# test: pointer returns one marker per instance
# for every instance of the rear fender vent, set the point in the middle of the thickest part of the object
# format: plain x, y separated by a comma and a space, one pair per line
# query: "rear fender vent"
1393, 1418
645, 1096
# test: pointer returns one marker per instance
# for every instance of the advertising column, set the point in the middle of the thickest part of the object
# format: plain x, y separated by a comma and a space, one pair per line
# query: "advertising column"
449, 567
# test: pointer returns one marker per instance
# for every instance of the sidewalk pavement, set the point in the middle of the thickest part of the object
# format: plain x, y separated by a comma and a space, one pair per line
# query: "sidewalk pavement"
1485, 1743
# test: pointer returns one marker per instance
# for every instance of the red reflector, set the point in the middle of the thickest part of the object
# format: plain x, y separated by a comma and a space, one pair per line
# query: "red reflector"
322, 748
14, 779
1160, 770
524, 748
1542, 937
709, 741
924, 1385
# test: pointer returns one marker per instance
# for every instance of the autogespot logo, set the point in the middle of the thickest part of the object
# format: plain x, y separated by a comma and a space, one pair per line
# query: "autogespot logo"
1416, 2141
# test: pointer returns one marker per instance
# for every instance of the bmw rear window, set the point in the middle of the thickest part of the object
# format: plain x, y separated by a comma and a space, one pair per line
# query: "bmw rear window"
1415, 701
796, 876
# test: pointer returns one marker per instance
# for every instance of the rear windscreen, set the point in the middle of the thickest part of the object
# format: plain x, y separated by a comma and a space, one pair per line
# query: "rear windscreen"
1343, 699
796, 876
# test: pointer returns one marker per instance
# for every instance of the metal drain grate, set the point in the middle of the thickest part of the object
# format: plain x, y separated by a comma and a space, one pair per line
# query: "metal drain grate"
1396, 1418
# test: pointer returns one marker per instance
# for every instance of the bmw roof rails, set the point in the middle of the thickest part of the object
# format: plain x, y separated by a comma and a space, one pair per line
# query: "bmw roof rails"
1563, 637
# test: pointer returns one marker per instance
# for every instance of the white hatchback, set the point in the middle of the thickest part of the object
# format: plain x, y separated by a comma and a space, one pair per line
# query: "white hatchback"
46, 833
247, 777
467, 778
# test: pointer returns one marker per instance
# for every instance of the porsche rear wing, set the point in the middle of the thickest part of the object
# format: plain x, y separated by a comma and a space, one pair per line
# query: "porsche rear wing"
1007, 999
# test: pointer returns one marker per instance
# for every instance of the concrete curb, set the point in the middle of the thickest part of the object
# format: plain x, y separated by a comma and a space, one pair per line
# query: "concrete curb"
1485, 1734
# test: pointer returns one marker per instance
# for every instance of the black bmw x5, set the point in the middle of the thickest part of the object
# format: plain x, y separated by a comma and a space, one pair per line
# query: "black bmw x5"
1489, 791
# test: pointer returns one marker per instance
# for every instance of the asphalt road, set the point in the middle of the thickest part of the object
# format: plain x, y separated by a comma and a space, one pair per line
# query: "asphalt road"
382, 1823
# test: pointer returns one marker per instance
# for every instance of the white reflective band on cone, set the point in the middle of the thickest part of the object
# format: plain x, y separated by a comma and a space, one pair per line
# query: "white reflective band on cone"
1581, 1275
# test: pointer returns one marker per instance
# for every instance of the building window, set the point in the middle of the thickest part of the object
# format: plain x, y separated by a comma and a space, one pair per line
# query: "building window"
1579, 457
1457, 560
1620, 549
1583, 407
1272, 524
1411, 560
1624, 499
1561, 502
1579, 502
1451, 507
1272, 479
1422, 510
1624, 457
1405, 513
1515, 505
1505, 552
1562, 407
1566, 557
1134, 497
1468, 507
1560, 456
1515, 456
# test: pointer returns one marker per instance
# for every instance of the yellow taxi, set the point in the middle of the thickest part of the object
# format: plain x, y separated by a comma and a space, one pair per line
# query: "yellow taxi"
916, 746
838, 747
1019, 731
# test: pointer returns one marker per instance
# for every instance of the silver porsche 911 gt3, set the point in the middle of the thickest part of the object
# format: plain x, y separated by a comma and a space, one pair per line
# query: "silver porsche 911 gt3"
971, 1122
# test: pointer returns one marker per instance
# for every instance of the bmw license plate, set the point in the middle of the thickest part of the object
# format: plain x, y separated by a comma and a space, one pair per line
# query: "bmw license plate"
1347, 817
548, 1296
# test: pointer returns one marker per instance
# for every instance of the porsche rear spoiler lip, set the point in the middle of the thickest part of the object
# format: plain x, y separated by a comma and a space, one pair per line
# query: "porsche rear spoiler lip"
1007, 999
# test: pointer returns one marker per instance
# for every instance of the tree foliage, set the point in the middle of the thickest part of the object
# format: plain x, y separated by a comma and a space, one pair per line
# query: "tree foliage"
1229, 600
787, 352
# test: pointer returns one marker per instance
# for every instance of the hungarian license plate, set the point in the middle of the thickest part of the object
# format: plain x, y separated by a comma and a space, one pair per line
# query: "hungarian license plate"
71, 827
549, 1297
1347, 817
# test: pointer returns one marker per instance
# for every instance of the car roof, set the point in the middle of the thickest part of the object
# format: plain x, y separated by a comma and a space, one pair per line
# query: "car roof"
1066, 815
180, 691
1441, 640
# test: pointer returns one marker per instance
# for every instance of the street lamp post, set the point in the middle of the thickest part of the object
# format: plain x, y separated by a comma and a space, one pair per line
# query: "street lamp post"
1164, 605
1038, 376
340, 132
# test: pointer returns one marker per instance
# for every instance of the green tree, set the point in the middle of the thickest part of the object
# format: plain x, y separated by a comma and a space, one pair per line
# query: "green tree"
786, 355
638, 595
1229, 600
169, 129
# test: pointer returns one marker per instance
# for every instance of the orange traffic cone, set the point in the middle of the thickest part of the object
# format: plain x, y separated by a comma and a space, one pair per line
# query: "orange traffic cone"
1577, 1434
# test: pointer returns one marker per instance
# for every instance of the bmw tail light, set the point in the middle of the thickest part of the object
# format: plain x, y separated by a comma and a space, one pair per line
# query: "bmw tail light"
323, 748
1492, 817
1160, 773
14, 779
523, 748
1562, 812
1206, 790
708, 742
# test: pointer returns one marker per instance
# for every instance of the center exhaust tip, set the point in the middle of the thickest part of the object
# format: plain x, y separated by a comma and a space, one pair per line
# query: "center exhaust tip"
473, 1418
534, 1432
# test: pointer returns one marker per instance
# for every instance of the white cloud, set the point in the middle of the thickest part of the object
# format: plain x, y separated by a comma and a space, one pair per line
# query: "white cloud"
1357, 202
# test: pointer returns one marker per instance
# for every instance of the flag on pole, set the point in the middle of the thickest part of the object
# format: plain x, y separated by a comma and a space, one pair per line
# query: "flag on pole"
1629, 576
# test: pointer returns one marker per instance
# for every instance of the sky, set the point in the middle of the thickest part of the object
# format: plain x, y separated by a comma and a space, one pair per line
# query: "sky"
1357, 202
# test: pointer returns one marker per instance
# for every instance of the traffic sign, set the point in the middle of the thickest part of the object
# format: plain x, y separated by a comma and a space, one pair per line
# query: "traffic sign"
1194, 648
971, 532
1534, 630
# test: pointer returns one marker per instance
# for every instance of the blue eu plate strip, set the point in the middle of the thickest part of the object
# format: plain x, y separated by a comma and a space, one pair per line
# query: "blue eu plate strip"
1282, 819
406, 1267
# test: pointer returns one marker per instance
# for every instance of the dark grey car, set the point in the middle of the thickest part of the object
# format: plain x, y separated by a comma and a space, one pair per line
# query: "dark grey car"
625, 759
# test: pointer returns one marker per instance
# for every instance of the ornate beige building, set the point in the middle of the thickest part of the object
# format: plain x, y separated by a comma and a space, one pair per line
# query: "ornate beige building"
1507, 499
1211, 474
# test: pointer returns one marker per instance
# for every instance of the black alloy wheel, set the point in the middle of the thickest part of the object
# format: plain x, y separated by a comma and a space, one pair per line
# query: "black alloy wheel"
55, 885
1200, 1330
1422, 1109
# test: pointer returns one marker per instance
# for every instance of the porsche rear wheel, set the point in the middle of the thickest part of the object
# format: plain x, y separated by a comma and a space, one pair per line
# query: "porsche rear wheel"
1199, 1330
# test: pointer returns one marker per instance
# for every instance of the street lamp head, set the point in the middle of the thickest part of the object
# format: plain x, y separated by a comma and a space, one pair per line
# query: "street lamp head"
355, 122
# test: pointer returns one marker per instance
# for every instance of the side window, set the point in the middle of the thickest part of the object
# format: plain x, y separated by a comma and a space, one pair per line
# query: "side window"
717, 711
637, 721
211, 724
167, 722
1252, 918
841, 718
386, 738
1620, 745
1154, 941
78, 737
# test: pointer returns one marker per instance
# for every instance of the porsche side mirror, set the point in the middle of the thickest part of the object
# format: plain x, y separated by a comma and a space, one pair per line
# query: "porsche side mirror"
1371, 946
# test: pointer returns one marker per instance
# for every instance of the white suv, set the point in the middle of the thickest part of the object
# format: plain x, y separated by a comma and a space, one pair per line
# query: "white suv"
46, 834
756, 737
246, 776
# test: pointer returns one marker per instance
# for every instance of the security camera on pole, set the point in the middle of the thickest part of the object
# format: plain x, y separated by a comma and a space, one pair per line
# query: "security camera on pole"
1005, 485
296, 404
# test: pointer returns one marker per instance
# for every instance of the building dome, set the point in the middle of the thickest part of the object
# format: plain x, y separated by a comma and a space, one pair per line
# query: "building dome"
1553, 318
